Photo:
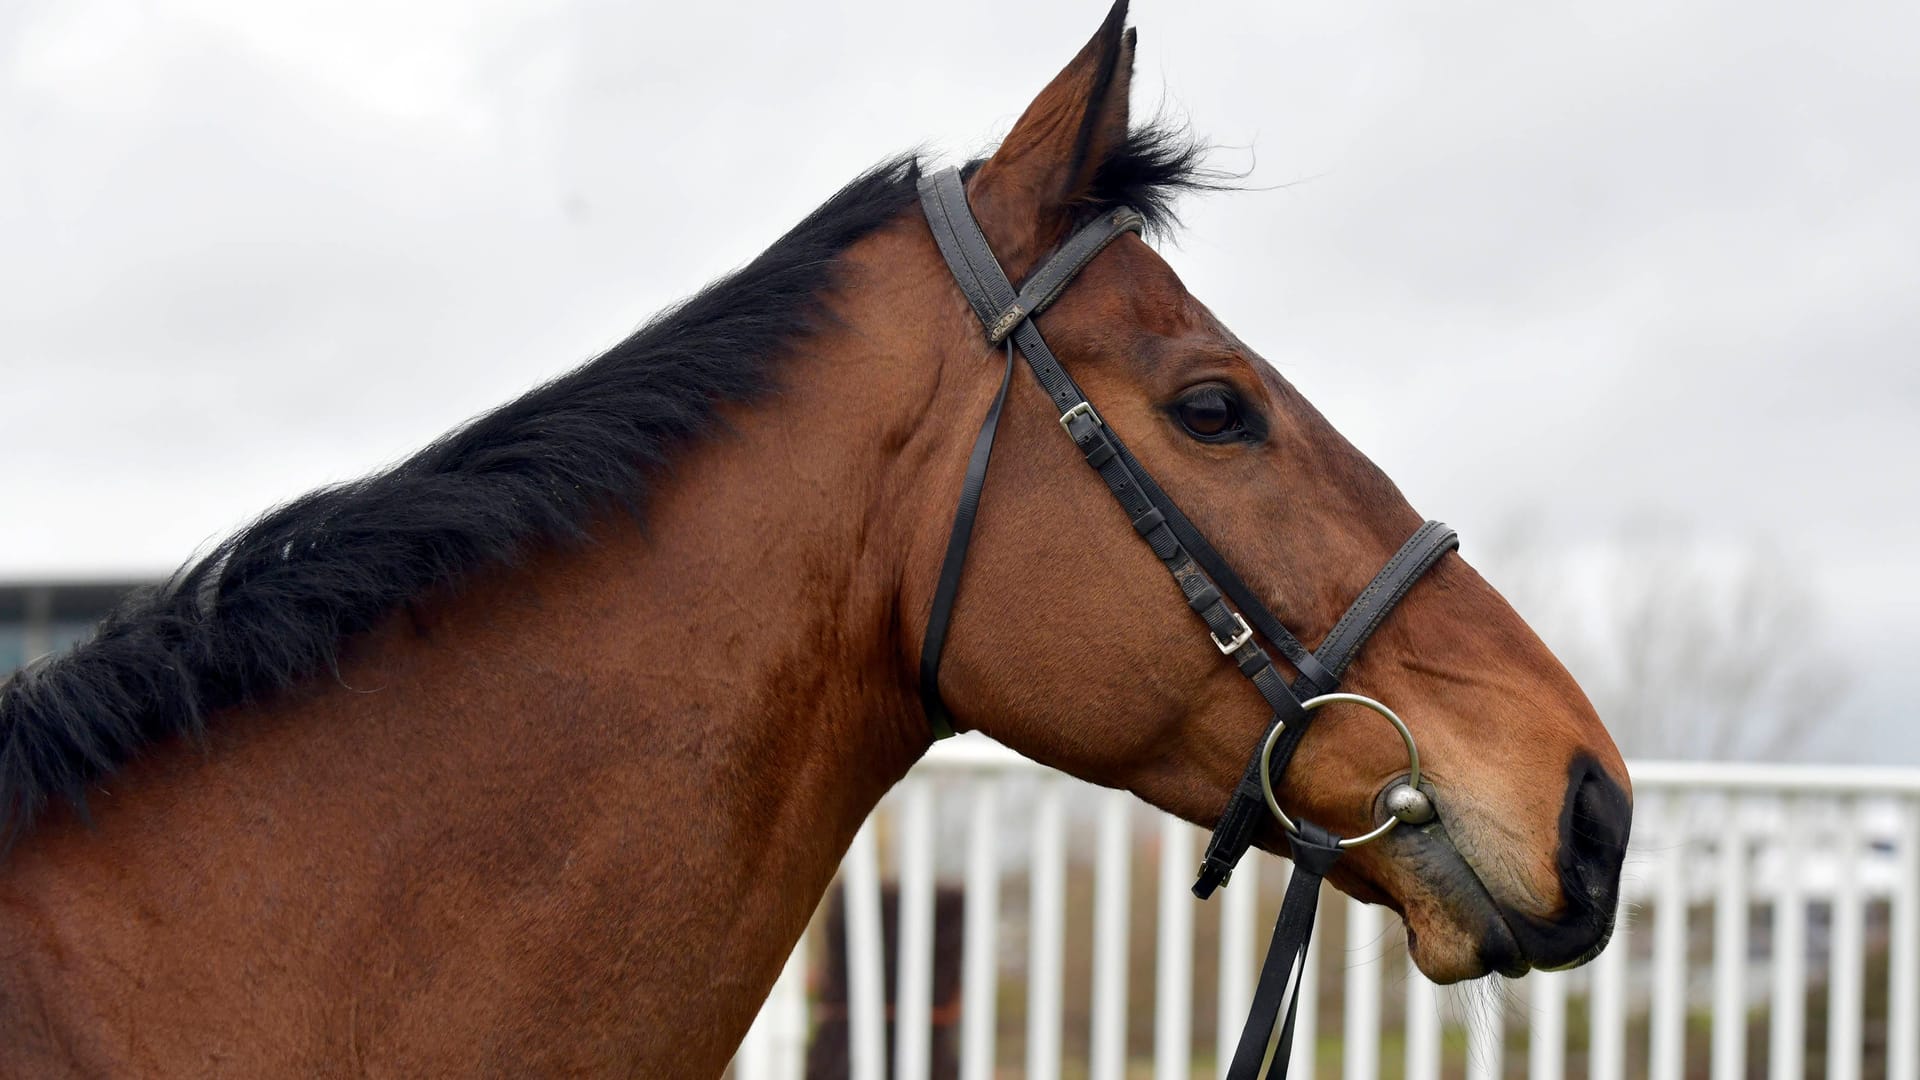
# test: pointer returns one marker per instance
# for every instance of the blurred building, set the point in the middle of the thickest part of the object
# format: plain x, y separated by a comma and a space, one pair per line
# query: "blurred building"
41, 617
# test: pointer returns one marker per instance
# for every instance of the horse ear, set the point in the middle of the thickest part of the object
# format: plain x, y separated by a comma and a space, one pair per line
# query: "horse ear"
1024, 194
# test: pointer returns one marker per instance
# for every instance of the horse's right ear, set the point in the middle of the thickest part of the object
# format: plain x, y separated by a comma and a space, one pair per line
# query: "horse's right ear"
1024, 194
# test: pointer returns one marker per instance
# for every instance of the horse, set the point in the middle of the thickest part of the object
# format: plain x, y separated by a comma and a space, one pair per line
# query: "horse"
535, 752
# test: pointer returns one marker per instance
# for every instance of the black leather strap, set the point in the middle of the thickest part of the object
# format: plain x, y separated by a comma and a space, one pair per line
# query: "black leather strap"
943, 198
1314, 853
1388, 587
1246, 808
955, 561
1047, 283
1317, 679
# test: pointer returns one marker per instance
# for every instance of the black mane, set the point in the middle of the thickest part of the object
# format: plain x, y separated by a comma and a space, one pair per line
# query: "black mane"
272, 604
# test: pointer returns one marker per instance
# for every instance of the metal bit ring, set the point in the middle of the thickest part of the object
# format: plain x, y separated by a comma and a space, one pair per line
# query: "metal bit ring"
1406, 736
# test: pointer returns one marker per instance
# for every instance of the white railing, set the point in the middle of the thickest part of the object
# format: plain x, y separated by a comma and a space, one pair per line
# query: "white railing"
1770, 926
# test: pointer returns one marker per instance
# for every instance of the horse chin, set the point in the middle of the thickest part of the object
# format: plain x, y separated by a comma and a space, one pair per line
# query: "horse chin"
1456, 929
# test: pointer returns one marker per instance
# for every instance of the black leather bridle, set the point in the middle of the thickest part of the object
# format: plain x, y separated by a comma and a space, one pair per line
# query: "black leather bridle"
1210, 586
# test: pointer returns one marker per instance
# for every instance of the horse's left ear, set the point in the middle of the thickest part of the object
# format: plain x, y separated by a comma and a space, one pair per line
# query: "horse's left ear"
1024, 194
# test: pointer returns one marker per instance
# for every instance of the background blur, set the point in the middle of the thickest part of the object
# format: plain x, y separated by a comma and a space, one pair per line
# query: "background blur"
1626, 292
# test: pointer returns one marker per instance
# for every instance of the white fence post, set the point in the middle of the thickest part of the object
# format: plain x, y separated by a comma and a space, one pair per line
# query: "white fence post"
1423, 1026
980, 958
1047, 911
1547, 1031
1237, 904
913, 968
786, 1017
866, 978
1903, 945
1786, 1042
1112, 890
1730, 949
1607, 1016
1667, 1050
1173, 977
1360, 1049
1844, 973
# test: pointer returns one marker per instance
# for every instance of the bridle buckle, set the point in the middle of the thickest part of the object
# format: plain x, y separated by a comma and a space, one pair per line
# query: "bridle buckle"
1232, 645
1082, 410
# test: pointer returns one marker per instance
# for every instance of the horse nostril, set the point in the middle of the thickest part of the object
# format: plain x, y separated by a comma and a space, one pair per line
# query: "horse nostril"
1594, 834
1594, 821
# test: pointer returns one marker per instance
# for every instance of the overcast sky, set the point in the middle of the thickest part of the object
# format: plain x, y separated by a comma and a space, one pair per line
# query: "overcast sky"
1573, 266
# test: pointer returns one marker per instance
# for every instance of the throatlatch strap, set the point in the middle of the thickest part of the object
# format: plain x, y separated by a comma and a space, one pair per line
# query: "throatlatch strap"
962, 244
955, 560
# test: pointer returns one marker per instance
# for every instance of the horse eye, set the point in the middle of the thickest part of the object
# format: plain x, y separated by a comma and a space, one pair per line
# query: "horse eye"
1210, 414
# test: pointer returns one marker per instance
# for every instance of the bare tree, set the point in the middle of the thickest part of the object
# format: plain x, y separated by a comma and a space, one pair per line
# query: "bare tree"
1688, 649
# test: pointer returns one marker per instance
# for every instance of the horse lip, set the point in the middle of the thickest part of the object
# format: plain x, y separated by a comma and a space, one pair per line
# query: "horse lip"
1501, 953
1500, 948
1543, 931
1514, 941
1599, 946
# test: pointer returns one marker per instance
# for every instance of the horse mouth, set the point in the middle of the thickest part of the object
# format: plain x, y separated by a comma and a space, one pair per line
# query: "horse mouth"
1458, 923
1459, 929
1467, 932
1470, 906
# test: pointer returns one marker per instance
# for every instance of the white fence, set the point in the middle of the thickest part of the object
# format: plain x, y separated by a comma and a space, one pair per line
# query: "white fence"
1771, 927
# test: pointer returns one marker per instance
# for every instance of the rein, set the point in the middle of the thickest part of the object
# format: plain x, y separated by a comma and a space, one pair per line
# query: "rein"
1210, 586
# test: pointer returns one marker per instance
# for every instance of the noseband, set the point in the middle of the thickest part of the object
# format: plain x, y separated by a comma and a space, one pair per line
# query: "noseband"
1210, 586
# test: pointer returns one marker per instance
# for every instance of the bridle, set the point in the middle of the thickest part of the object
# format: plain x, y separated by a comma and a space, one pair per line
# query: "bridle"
1210, 586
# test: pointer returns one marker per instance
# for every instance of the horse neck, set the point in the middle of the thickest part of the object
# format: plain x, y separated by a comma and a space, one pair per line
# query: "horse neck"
576, 814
